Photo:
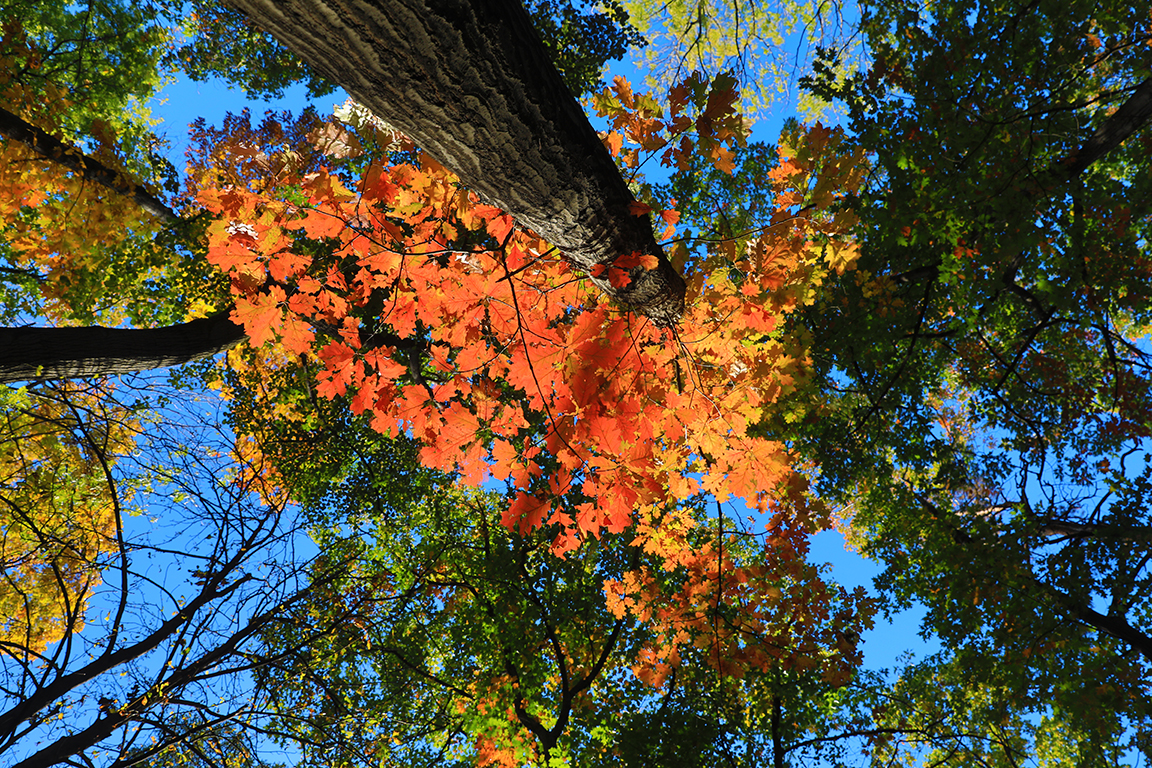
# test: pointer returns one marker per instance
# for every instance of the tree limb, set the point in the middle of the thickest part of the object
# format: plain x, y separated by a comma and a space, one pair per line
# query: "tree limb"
28, 354
1130, 117
52, 148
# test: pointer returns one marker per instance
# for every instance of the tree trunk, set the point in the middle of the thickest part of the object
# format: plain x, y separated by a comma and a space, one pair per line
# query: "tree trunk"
71, 353
470, 82
467, 80
50, 147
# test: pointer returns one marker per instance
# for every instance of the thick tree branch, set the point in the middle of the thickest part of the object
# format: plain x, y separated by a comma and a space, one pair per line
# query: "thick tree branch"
470, 82
28, 354
1132, 115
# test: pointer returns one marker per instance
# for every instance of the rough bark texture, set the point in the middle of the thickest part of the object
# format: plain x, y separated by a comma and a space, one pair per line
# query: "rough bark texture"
470, 82
28, 354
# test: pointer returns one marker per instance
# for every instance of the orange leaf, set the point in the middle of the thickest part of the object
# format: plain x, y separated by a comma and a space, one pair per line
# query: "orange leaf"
613, 141
526, 513
618, 278
499, 227
260, 315
623, 90
723, 159
637, 259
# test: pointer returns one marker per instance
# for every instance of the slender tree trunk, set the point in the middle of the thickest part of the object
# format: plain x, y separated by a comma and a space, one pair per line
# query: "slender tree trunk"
50, 147
72, 353
777, 733
470, 82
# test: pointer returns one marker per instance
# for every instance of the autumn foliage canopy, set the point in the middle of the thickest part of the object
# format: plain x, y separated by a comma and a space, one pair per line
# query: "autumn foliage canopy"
438, 317
538, 528
441, 318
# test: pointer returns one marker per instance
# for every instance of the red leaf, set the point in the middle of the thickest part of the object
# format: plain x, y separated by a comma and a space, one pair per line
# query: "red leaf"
499, 227
618, 277
526, 513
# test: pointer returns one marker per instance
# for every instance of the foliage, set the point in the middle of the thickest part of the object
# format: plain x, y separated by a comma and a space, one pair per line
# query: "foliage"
185, 565
429, 315
987, 373
475, 643
60, 512
585, 451
766, 45
494, 331
76, 251
219, 41
105, 55
550, 532
583, 37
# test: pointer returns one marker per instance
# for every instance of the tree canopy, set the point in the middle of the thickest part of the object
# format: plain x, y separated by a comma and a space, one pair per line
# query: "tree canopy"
490, 439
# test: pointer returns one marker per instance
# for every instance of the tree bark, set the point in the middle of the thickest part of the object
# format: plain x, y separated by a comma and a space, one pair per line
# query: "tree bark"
28, 354
470, 82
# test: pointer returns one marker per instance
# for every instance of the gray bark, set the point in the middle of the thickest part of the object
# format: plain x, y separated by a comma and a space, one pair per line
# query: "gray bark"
470, 82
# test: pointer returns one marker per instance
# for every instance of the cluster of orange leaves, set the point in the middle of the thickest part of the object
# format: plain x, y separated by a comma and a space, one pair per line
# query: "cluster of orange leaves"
436, 316
788, 619
639, 118
512, 339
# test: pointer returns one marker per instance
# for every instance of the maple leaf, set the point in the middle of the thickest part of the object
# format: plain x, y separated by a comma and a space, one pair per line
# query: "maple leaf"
260, 315
284, 265
637, 259
721, 100
526, 513
296, 335
318, 224
499, 227
618, 278
335, 140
